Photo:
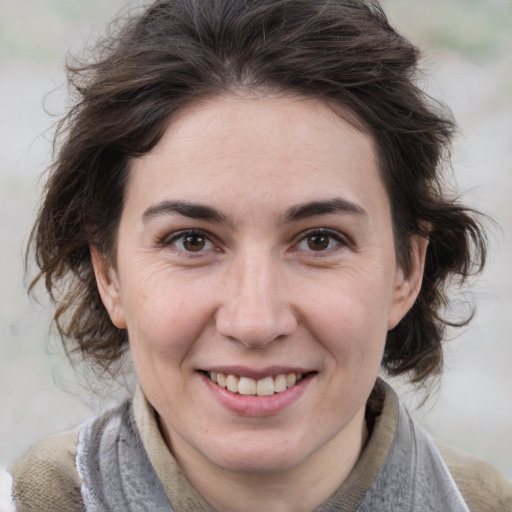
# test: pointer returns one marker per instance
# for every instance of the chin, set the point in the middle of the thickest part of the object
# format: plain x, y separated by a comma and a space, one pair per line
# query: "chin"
264, 456
257, 463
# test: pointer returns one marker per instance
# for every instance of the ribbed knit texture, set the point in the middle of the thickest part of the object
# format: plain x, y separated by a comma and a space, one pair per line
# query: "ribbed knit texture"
117, 473
114, 467
126, 465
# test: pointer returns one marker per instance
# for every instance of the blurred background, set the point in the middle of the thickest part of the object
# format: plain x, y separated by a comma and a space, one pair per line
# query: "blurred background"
467, 63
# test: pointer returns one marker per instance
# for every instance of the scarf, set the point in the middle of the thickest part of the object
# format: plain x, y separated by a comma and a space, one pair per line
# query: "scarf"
117, 474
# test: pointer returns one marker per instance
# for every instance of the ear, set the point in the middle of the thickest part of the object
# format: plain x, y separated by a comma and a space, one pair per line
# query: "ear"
407, 286
108, 287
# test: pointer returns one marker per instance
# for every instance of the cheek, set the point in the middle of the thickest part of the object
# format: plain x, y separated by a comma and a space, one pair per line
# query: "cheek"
348, 305
163, 320
350, 320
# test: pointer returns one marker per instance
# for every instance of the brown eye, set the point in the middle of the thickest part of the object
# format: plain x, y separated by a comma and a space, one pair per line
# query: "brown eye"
321, 240
318, 242
194, 243
188, 242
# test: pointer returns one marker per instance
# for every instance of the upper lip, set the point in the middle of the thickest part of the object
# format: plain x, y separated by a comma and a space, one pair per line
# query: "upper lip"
257, 373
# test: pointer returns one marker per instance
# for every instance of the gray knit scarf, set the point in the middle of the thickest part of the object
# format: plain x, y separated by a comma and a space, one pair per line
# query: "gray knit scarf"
118, 476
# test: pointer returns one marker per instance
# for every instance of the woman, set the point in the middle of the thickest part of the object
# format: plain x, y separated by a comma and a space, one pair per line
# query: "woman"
247, 196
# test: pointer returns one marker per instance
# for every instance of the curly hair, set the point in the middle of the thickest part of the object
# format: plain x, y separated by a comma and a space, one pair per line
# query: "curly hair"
177, 52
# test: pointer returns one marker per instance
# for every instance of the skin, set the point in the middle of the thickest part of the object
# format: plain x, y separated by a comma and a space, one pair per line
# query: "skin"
254, 288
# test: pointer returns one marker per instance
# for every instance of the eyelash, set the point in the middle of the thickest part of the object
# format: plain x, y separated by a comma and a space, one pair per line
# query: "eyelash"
340, 240
171, 240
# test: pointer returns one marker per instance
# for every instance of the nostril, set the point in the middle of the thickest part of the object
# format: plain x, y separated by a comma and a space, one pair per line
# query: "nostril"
256, 328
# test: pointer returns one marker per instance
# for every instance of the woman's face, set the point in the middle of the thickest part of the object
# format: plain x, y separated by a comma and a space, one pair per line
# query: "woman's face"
256, 243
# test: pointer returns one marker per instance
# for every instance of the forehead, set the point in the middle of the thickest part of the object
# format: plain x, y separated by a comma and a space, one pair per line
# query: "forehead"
261, 149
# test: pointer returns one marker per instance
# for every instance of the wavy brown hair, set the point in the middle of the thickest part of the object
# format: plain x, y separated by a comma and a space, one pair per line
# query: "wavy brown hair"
177, 52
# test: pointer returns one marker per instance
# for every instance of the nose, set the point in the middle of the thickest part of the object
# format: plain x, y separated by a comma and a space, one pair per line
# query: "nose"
255, 309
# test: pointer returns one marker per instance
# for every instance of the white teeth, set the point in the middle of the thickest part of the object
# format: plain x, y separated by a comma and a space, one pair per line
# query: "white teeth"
232, 383
265, 387
221, 380
262, 387
279, 383
246, 386
291, 379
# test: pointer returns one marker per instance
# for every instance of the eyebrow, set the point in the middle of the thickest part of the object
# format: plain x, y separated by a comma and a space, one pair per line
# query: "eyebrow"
313, 208
185, 209
295, 213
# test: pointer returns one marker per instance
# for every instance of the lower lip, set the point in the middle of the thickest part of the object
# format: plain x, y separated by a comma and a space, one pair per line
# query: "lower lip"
249, 405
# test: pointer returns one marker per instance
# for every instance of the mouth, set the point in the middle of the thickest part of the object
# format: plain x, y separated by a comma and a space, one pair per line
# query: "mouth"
266, 386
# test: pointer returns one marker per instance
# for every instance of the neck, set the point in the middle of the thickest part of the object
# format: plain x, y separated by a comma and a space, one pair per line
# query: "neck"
300, 488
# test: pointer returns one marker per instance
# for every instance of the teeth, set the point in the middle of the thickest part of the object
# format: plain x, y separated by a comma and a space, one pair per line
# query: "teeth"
265, 387
221, 380
246, 386
279, 383
262, 387
232, 383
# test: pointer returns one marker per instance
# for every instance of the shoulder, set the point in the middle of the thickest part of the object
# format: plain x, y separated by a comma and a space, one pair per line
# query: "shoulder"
483, 487
45, 476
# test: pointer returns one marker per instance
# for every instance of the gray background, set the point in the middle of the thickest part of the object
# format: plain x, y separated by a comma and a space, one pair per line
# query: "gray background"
468, 48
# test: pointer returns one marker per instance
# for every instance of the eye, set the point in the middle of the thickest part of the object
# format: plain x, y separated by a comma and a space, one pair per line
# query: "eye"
320, 240
190, 241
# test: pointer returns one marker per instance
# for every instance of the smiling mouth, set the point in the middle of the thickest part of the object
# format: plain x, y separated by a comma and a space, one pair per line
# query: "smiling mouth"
266, 386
